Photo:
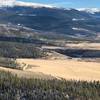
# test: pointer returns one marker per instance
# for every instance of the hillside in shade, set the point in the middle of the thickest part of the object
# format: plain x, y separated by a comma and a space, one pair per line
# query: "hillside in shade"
79, 23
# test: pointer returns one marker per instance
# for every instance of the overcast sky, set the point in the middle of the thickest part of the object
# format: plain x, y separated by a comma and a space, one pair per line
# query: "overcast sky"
69, 3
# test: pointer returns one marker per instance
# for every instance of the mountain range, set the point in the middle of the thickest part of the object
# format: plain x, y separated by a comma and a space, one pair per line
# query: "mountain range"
80, 23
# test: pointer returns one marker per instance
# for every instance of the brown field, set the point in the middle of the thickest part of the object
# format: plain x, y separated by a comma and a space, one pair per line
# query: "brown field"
67, 69
85, 45
93, 46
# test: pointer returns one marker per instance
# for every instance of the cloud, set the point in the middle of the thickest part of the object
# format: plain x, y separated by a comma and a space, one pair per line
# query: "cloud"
7, 2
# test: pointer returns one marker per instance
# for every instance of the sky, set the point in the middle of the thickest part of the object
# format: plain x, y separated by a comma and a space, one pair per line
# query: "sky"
69, 3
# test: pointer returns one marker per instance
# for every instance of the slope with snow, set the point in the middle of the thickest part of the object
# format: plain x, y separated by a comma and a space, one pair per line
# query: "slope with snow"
4, 3
7, 3
48, 19
90, 10
30, 4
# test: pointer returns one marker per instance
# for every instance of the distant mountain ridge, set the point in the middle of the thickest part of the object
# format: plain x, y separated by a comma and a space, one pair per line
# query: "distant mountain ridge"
47, 19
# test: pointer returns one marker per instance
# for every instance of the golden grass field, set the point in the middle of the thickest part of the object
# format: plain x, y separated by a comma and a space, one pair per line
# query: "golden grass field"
67, 69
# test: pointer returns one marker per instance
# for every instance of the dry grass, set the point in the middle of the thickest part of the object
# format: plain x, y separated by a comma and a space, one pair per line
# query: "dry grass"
26, 74
93, 46
68, 69
85, 45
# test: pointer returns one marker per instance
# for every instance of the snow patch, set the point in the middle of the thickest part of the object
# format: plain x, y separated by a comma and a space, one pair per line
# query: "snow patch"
27, 15
74, 19
80, 29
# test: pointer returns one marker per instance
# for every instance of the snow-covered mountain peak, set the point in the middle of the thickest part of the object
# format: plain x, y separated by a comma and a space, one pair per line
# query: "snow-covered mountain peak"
90, 10
30, 4
7, 3
4, 3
